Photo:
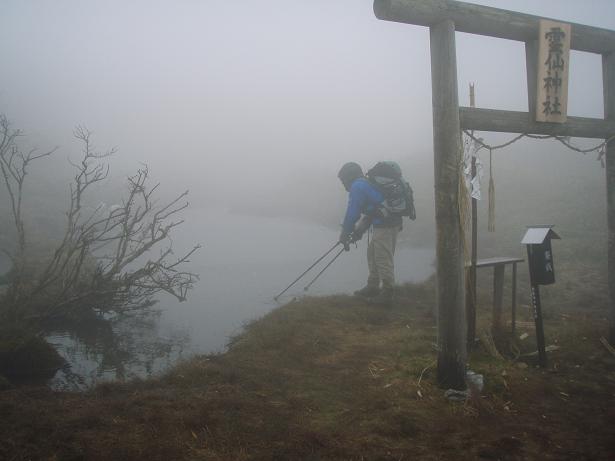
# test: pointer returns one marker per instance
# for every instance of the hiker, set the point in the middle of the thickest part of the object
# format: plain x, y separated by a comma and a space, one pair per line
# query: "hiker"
365, 198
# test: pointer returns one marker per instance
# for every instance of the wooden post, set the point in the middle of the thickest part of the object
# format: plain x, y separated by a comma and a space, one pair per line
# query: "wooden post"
498, 297
540, 330
608, 73
449, 247
513, 313
471, 274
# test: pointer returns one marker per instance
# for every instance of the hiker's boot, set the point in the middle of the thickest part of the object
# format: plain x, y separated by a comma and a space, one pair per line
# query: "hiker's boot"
368, 291
384, 298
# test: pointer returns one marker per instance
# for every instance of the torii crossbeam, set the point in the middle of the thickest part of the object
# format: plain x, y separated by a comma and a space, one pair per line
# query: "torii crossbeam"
444, 17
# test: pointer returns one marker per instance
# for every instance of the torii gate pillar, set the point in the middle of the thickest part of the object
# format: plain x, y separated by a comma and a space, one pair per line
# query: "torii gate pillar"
449, 248
608, 78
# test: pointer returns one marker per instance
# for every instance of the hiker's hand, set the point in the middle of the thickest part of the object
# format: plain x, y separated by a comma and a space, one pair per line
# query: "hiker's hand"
356, 236
345, 239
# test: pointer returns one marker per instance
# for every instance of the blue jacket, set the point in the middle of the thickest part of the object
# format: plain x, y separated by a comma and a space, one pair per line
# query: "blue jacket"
363, 198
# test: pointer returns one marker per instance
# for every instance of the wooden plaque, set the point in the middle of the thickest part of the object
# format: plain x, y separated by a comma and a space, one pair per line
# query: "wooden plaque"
553, 64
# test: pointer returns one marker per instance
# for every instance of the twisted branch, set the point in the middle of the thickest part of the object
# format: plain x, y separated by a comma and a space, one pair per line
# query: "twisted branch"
101, 262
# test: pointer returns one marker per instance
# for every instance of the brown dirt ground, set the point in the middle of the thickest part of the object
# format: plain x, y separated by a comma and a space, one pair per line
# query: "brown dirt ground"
334, 378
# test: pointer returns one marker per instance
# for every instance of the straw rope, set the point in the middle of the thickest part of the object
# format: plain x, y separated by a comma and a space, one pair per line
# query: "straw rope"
600, 149
563, 139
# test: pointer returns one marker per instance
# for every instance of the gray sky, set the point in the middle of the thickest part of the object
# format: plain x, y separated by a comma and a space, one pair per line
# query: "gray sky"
202, 89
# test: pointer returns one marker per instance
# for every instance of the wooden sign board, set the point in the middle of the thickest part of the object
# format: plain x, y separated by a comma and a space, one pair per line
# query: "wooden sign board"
553, 64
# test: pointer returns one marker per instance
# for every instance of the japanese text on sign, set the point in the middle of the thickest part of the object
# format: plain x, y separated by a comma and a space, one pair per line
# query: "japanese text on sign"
553, 64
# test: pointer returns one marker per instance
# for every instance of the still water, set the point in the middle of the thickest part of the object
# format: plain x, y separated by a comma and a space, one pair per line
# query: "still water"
243, 263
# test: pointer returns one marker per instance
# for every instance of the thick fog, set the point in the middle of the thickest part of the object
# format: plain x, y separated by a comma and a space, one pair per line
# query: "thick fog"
240, 101
254, 106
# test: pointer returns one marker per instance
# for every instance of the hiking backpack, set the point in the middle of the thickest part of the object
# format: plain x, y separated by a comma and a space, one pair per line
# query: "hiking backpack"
398, 196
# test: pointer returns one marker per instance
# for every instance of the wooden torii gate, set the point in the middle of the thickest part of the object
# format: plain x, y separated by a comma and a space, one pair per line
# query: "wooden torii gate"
444, 17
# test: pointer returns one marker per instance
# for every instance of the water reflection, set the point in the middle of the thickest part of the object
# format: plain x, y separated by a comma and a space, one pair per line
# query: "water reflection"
115, 350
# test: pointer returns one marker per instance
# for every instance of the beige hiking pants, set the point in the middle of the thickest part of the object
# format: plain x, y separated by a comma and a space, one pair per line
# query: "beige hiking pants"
380, 252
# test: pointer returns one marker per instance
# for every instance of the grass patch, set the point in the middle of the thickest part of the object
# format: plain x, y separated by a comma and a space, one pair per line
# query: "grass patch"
335, 378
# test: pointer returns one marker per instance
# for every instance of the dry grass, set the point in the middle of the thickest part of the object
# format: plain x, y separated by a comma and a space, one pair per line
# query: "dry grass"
334, 378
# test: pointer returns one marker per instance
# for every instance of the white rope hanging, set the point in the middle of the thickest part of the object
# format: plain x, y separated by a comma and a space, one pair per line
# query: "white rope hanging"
491, 218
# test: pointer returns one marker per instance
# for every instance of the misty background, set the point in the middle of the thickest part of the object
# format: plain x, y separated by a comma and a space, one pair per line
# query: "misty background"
254, 106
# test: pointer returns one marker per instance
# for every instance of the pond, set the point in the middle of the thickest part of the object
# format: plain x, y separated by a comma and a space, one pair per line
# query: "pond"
244, 263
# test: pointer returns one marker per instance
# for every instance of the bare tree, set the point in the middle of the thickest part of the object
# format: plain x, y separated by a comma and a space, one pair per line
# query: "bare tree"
103, 261
14, 165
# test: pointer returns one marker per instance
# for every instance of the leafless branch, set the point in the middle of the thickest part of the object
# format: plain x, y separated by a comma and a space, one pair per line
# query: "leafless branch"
102, 258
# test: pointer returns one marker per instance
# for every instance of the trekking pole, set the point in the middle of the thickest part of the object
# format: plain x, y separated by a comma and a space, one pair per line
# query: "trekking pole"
306, 271
323, 269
